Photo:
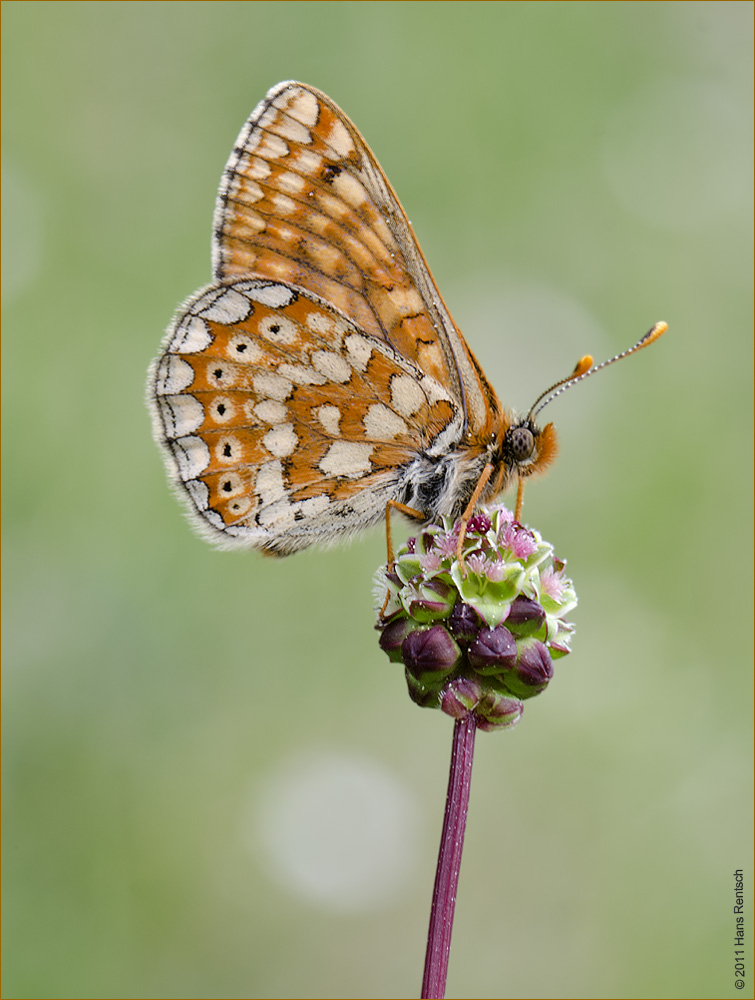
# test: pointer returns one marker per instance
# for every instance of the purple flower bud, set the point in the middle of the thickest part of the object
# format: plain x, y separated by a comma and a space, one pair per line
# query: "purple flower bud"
427, 541
525, 617
393, 635
497, 711
430, 654
533, 669
464, 622
493, 651
471, 642
459, 697
479, 523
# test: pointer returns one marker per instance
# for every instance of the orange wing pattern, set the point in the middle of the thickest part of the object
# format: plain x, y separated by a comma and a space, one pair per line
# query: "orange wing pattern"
303, 201
283, 422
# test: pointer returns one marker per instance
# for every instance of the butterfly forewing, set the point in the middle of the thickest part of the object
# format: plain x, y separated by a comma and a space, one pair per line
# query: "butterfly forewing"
304, 201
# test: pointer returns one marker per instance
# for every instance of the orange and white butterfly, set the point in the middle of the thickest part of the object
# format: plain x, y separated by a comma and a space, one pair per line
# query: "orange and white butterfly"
320, 379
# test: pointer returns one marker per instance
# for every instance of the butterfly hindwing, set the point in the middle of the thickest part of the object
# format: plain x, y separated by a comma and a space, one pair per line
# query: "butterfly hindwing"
283, 423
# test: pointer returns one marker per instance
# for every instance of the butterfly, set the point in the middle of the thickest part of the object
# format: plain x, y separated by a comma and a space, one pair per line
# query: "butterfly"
320, 379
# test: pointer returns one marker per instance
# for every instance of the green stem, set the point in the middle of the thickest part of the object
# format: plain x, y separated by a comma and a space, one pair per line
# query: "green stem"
449, 860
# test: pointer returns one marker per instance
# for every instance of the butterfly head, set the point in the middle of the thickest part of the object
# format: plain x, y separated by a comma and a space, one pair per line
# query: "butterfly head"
526, 449
518, 449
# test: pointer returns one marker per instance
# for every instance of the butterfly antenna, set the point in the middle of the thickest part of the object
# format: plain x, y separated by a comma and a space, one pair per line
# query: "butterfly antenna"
585, 367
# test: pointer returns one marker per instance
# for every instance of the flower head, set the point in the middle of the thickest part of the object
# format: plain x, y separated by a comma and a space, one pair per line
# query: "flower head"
478, 635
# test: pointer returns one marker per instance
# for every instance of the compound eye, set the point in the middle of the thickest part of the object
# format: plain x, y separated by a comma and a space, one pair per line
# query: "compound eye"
522, 443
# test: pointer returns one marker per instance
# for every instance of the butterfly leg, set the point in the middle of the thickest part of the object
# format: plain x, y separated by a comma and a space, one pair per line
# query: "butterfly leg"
519, 500
482, 482
402, 508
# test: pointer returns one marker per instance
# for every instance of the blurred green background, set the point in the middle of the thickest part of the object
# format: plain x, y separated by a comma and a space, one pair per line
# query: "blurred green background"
215, 783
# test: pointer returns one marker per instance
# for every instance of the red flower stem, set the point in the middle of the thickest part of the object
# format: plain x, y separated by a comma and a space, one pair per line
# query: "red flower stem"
449, 860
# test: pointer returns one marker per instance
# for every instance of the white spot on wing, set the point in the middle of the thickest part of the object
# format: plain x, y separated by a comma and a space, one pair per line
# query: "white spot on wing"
330, 417
304, 107
294, 130
382, 424
319, 322
314, 505
192, 456
302, 375
347, 459
198, 493
332, 366
192, 335
433, 390
281, 440
271, 146
252, 192
230, 307
277, 516
267, 119
181, 415
258, 169
349, 189
269, 483
306, 162
283, 205
249, 220
448, 438
407, 300
290, 183
271, 411
406, 395
340, 140
274, 295
359, 351
173, 375
272, 386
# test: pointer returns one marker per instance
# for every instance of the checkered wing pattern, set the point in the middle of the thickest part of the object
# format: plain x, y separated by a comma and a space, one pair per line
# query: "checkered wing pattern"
320, 376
